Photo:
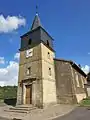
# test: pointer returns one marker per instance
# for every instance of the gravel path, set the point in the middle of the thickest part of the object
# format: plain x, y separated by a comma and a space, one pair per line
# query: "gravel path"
3, 118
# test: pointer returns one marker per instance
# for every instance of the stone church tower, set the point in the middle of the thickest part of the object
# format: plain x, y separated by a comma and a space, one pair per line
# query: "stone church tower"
36, 81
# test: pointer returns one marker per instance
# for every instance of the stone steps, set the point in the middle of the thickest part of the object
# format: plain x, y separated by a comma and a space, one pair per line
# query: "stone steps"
24, 106
21, 109
24, 109
16, 111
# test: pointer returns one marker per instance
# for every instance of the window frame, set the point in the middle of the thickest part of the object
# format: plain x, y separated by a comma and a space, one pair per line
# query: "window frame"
28, 72
48, 43
30, 41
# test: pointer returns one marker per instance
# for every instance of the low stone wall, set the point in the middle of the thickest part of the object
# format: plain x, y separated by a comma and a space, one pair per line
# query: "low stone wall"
67, 99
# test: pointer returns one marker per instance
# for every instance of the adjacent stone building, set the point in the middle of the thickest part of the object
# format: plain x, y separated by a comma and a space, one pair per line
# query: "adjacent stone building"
87, 85
70, 80
43, 79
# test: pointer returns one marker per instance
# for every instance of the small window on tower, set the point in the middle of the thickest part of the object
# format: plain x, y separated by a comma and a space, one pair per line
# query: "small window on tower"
29, 71
29, 42
48, 55
47, 42
49, 71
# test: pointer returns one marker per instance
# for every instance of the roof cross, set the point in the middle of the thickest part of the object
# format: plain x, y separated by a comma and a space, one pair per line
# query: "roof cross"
36, 9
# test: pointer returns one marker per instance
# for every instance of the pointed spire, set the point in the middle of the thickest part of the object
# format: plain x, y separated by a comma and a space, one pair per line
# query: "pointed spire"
36, 22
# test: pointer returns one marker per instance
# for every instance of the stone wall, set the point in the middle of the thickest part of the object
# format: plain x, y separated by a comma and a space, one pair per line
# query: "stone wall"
69, 83
49, 83
44, 88
64, 85
79, 80
35, 63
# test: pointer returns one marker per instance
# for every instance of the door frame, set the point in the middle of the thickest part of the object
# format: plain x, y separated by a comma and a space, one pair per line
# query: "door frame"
30, 86
24, 92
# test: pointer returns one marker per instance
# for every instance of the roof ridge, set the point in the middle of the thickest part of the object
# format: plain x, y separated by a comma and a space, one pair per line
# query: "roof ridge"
59, 59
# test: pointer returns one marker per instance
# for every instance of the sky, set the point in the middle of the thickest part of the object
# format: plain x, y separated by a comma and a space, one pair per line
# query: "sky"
67, 21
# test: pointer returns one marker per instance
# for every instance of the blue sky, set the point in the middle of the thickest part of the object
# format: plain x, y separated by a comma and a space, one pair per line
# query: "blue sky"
67, 21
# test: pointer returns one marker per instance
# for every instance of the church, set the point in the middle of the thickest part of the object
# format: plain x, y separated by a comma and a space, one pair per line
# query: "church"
43, 79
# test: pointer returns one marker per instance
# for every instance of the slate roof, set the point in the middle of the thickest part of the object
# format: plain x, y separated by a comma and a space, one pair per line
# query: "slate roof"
36, 22
35, 26
36, 30
37, 34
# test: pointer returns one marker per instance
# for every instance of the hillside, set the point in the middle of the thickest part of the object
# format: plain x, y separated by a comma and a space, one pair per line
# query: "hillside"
8, 92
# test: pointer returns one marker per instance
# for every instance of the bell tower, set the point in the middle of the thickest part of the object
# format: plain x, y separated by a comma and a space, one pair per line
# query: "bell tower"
36, 80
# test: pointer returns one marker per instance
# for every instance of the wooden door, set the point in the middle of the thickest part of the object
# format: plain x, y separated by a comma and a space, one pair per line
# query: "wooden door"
28, 94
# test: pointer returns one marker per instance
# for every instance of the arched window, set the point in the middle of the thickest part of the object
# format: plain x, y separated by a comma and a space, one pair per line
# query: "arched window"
29, 42
29, 71
47, 42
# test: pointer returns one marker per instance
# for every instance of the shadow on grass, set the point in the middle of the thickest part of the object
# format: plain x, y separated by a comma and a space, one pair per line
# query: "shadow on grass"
10, 101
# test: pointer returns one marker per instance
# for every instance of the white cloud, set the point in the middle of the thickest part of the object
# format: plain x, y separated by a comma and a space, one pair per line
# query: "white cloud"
2, 83
86, 68
16, 56
9, 74
2, 60
11, 23
89, 53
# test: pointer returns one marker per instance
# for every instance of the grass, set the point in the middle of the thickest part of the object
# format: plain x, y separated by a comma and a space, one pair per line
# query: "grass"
1, 100
85, 102
8, 92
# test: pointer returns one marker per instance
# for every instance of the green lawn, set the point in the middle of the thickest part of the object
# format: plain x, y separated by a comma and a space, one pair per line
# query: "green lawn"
85, 102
